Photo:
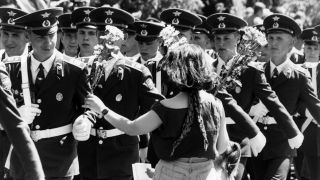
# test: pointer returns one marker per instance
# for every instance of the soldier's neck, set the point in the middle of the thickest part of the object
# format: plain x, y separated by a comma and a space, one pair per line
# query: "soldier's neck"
86, 54
277, 60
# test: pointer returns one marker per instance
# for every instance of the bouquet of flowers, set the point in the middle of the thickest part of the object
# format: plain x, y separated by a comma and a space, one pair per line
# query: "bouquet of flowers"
171, 37
107, 49
251, 39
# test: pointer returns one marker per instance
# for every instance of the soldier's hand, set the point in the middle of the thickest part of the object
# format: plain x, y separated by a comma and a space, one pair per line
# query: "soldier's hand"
28, 113
296, 142
81, 128
257, 143
258, 110
94, 103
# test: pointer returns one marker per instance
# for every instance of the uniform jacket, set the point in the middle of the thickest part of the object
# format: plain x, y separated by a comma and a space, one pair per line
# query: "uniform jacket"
294, 89
18, 132
128, 91
60, 98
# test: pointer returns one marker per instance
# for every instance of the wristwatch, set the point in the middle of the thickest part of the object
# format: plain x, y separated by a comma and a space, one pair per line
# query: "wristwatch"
104, 112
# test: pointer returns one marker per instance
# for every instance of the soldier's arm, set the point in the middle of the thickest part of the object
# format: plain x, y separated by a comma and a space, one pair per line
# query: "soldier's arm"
309, 98
236, 113
270, 99
18, 133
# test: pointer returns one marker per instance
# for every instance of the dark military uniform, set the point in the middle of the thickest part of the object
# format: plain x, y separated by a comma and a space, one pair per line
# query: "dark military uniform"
7, 16
254, 86
293, 89
18, 131
128, 90
60, 97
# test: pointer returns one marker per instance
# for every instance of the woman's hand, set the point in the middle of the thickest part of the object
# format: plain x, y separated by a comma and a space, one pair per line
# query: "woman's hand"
94, 103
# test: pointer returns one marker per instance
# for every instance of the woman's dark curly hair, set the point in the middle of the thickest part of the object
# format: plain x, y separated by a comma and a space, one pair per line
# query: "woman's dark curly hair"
188, 71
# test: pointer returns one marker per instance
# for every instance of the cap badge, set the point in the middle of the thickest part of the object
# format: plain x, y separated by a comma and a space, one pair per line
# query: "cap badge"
143, 25
11, 13
221, 18
46, 23
276, 18
314, 38
86, 19
87, 11
144, 32
222, 25
108, 21
175, 21
10, 21
275, 25
72, 25
45, 15
176, 13
109, 12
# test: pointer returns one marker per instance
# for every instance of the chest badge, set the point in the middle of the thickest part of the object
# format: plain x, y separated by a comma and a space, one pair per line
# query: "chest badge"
59, 97
118, 97
238, 89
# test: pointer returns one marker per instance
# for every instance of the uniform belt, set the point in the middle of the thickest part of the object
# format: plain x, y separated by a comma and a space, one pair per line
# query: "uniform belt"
104, 134
48, 133
193, 160
267, 120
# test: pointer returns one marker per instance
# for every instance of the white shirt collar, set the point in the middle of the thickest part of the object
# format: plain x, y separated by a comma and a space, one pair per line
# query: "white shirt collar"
280, 67
47, 64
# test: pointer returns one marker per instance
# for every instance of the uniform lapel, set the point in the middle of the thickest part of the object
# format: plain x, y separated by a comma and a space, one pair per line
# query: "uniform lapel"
112, 80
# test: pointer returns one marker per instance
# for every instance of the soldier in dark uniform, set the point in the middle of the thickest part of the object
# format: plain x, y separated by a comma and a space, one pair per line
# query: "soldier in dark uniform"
254, 86
57, 89
130, 47
201, 34
14, 40
127, 88
18, 132
293, 88
68, 37
307, 162
87, 34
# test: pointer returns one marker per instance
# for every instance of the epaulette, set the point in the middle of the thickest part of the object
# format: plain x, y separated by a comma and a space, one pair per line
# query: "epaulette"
133, 64
13, 59
76, 62
301, 69
257, 65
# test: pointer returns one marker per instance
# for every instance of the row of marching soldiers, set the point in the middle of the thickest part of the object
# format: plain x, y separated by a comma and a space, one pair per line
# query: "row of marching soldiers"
264, 115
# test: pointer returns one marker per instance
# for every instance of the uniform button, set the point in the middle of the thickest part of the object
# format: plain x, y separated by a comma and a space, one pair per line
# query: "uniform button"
100, 142
171, 93
39, 101
265, 127
37, 127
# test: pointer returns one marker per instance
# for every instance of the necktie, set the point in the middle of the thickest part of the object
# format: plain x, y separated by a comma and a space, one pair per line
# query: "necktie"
40, 77
275, 73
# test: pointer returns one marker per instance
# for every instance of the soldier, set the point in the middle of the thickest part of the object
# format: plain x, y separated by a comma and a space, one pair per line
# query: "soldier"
87, 34
308, 155
18, 131
254, 86
127, 88
130, 47
57, 88
293, 89
68, 37
201, 34
14, 40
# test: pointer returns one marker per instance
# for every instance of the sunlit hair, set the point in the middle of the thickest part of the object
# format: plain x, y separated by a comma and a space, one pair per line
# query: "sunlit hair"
187, 68
188, 71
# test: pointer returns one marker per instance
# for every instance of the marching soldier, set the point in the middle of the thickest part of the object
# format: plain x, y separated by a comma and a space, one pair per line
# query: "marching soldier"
293, 88
14, 40
68, 37
87, 34
18, 132
127, 88
57, 88
226, 31
309, 154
